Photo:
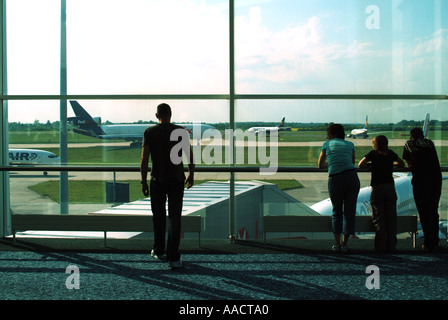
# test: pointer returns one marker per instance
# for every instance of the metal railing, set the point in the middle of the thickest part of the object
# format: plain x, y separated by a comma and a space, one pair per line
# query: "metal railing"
230, 169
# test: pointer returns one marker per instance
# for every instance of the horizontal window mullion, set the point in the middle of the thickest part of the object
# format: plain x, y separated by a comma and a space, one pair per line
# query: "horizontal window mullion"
340, 97
118, 97
227, 96
197, 169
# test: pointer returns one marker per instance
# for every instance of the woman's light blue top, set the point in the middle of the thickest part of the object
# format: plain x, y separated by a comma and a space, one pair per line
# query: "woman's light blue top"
339, 155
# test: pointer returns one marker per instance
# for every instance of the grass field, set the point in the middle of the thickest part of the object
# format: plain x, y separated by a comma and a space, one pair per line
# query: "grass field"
287, 156
94, 191
17, 137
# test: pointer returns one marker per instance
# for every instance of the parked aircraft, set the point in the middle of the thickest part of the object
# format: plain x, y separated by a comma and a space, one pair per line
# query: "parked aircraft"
403, 188
84, 124
405, 201
32, 157
269, 130
359, 133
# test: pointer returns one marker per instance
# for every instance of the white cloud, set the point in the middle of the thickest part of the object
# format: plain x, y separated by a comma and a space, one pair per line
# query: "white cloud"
309, 58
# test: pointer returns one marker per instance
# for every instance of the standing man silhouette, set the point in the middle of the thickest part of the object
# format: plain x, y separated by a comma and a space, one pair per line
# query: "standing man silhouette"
165, 142
421, 157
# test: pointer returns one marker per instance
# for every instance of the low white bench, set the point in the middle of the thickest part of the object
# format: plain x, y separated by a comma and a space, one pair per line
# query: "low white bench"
96, 222
287, 223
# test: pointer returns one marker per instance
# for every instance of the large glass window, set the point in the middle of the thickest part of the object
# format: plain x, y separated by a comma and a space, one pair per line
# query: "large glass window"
298, 66
33, 46
147, 47
324, 46
303, 131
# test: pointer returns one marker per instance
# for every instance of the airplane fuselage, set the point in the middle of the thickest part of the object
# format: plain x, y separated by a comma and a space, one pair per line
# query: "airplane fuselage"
358, 133
263, 130
134, 132
32, 157
405, 200
86, 125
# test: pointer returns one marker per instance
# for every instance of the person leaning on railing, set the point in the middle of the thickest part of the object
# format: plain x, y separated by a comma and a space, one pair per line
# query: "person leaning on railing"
343, 183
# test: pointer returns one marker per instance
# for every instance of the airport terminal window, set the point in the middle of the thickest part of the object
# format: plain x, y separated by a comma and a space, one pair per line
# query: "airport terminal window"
119, 125
147, 47
282, 50
33, 122
350, 47
112, 139
33, 46
301, 135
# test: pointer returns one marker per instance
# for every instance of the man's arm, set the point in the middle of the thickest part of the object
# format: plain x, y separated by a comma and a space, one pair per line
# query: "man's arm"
144, 159
406, 155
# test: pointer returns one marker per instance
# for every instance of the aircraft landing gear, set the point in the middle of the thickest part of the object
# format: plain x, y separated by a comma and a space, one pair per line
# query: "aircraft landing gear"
136, 144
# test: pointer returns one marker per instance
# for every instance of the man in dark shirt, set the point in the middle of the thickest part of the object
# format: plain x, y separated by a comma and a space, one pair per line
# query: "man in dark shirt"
421, 157
165, 143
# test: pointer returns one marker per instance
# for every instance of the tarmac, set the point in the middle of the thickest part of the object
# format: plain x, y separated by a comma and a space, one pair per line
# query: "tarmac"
217, 272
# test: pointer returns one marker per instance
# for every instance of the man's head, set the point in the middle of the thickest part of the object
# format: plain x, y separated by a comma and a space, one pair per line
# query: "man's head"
163, 112
416, 133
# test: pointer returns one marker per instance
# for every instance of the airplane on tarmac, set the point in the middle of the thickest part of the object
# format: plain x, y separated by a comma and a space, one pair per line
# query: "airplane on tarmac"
359, 133
403, 188
269, 130
84, 124
32, 157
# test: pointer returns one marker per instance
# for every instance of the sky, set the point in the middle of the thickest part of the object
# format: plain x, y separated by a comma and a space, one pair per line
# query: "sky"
281, 47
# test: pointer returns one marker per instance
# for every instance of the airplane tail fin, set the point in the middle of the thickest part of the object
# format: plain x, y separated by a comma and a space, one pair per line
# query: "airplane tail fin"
81, 113
83, 123
426, 126
282, 123
365, 123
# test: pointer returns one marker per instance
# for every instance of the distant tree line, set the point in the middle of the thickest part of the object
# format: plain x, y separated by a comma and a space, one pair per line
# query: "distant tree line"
403, 125
35, 126
49, 126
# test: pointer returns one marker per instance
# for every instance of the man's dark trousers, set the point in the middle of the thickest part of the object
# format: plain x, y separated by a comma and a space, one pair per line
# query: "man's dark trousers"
160, 191
427, 196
